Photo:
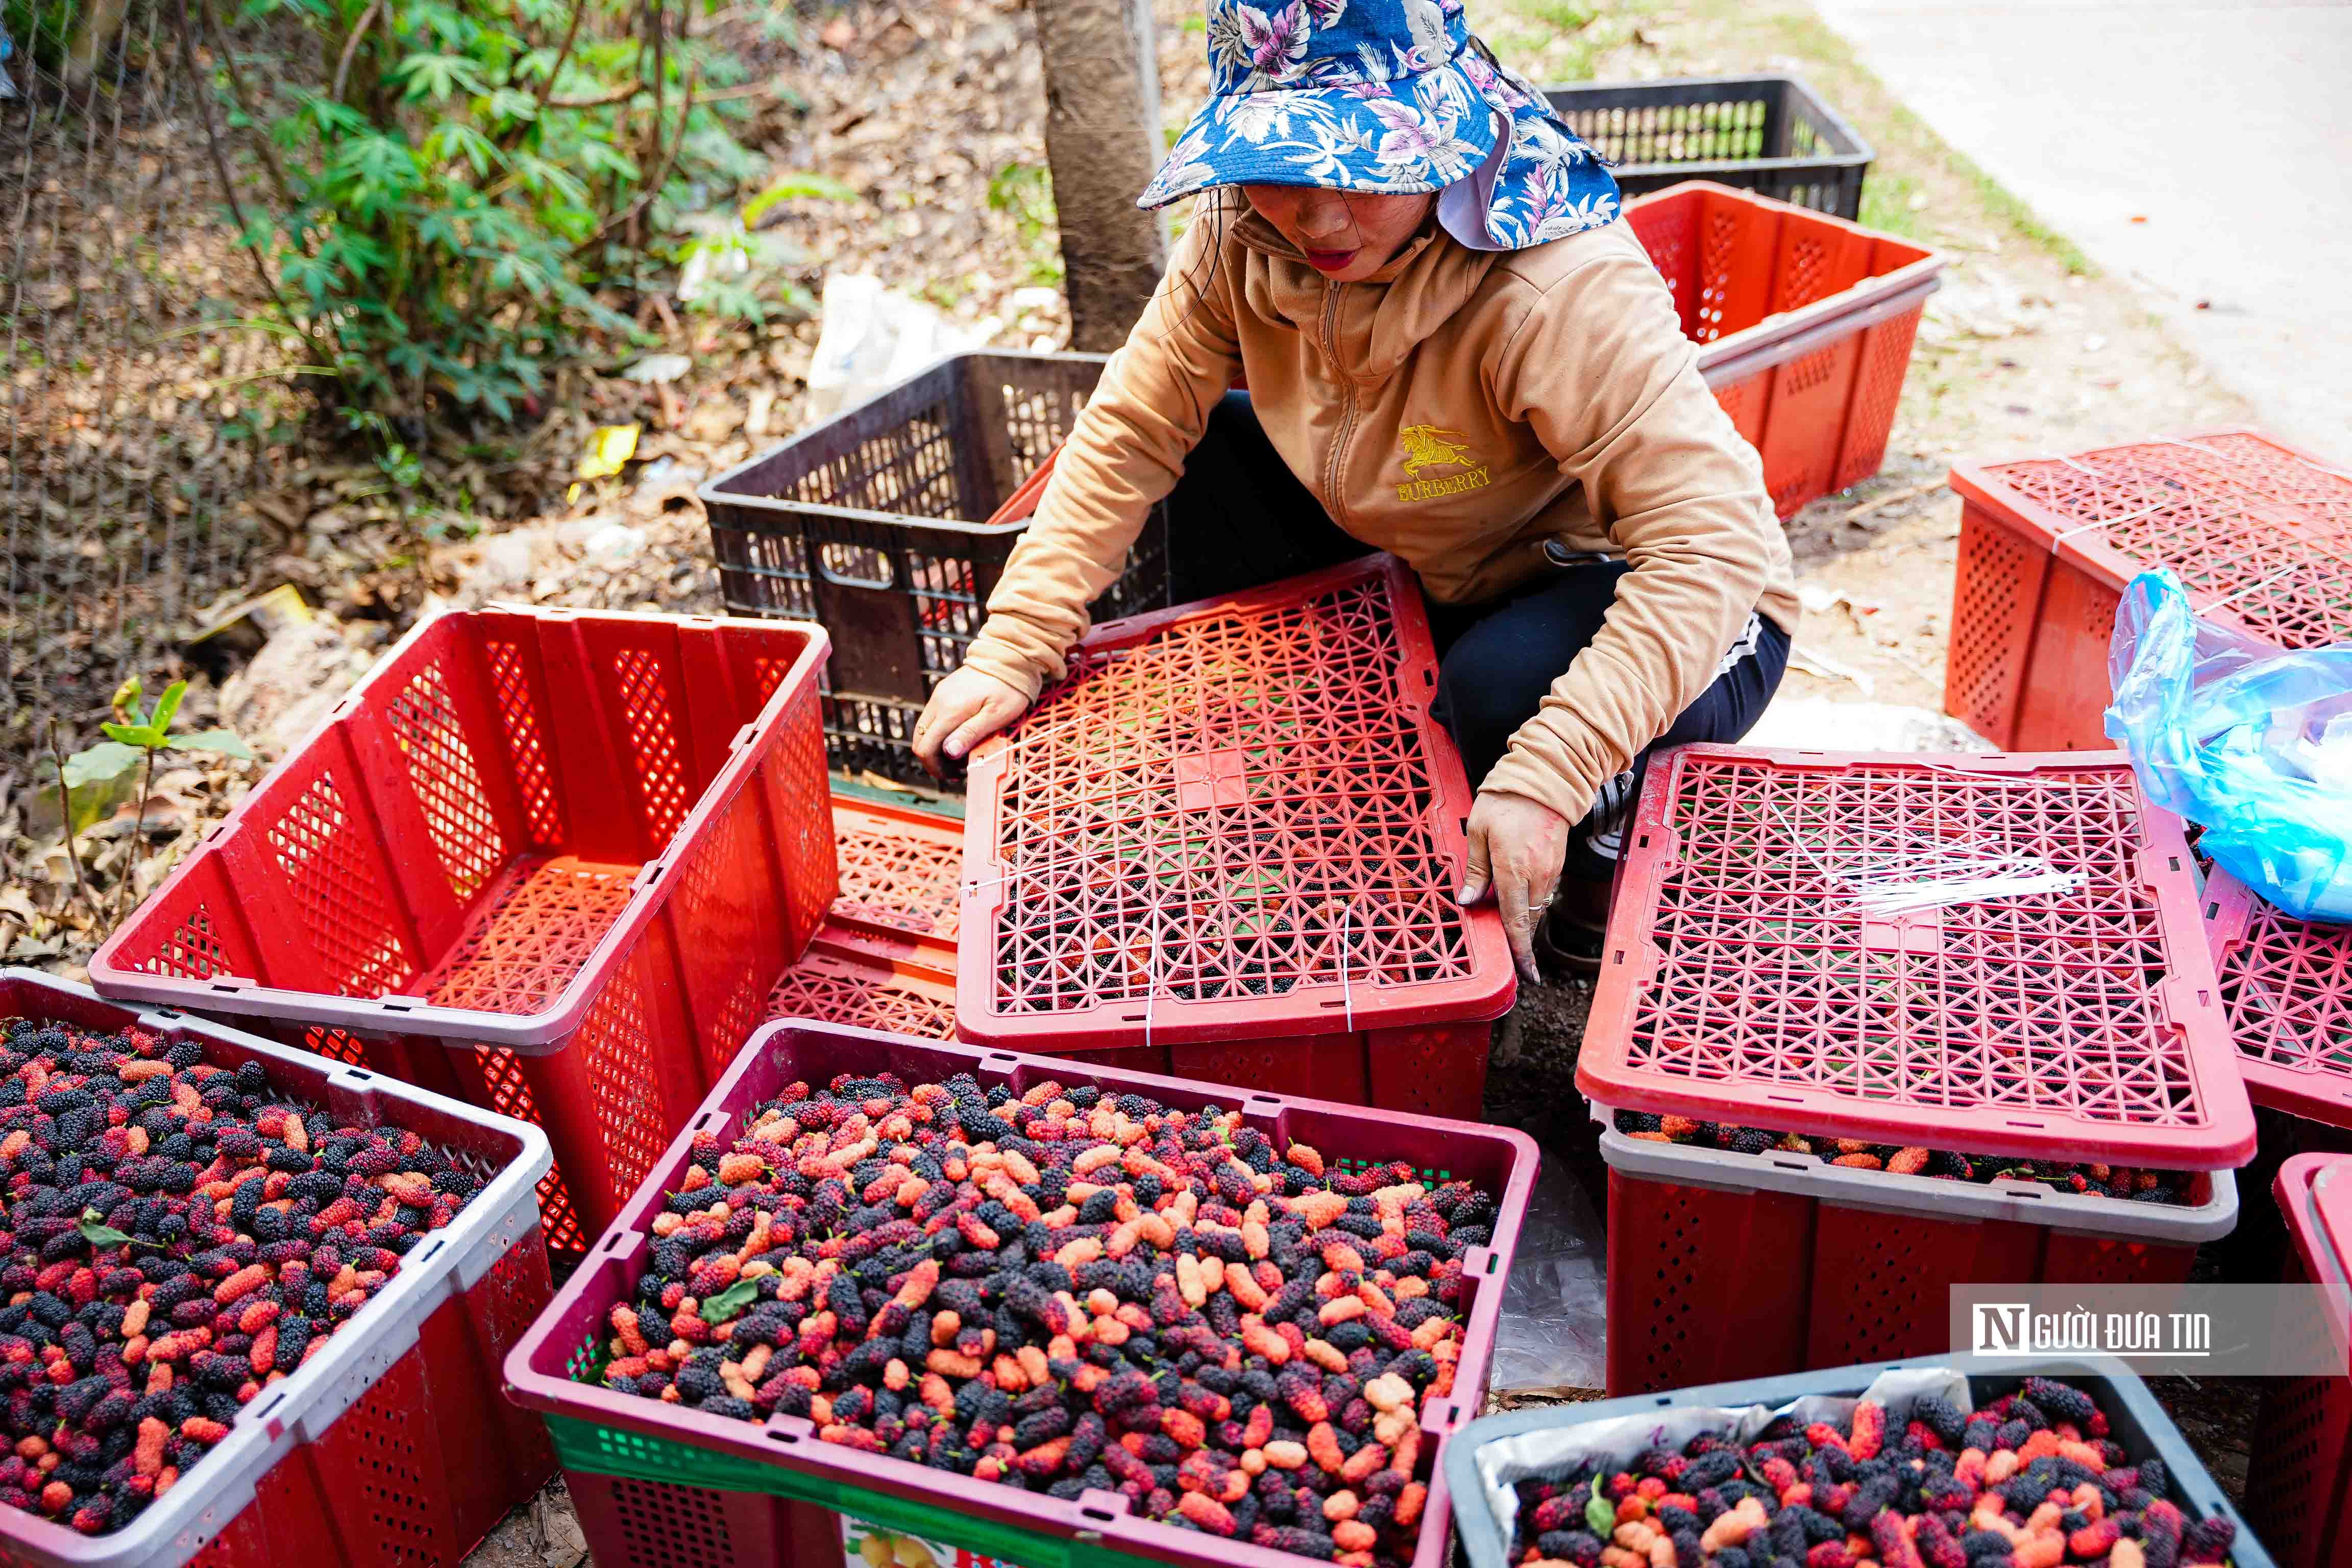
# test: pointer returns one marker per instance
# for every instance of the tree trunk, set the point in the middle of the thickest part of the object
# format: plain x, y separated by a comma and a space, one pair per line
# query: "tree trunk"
1103, 140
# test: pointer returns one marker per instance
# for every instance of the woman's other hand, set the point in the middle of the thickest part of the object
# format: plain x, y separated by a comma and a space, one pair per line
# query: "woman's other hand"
1516, 847
968, 708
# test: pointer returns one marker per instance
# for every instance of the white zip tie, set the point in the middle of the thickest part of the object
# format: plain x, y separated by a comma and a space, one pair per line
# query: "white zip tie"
1896, 881
2065, 533
2255, 587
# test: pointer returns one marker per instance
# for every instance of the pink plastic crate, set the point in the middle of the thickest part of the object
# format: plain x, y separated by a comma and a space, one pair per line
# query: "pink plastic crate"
1233, 832
2299, 1477
624, 1456
392, 1441
843, 979
1739, 983
577, 848
2259, 532
901, 876
2286, 990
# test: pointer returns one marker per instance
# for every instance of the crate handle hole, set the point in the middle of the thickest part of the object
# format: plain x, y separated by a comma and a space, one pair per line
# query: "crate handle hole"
783, 1437
848, 566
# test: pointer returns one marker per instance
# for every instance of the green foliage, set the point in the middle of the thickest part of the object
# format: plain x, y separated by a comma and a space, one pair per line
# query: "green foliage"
1026, 190
98, 778
468, 173
40, 28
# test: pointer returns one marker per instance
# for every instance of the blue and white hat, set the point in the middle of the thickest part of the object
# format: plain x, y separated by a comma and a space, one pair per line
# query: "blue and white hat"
1385, 97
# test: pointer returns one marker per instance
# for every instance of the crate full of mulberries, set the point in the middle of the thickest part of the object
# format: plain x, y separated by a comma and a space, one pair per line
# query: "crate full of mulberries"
1830, 1250
256, 1298
1032, 1308
2299, 1480
1908, 1465
1986, 973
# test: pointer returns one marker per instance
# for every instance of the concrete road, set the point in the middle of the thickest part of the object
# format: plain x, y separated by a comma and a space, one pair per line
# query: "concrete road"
2202, 149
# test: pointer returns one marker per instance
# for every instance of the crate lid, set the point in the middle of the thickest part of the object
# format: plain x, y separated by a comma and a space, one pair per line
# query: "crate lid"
2286, 994
1742, 981
1230, 820
2259, 531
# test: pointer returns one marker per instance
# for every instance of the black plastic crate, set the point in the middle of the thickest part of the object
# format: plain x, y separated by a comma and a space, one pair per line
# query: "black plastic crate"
876, 525
2136, 1421
1768, 135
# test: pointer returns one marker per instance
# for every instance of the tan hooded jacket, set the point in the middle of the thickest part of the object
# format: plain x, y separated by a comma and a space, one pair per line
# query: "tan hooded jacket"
1461, 409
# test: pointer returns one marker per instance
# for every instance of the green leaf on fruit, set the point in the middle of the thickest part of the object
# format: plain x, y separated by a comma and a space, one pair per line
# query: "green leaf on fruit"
97, 1232
729, 1302
1599, 1513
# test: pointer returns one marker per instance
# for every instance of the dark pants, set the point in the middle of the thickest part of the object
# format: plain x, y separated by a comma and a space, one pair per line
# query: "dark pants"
1239, 519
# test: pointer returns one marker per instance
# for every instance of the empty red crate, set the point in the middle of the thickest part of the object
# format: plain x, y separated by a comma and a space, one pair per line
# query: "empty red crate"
579, 848
2299, 1475
1804, 324
392, 1439
1739, 982
1724, 1265
663, 1486
2259, 532
1233, 834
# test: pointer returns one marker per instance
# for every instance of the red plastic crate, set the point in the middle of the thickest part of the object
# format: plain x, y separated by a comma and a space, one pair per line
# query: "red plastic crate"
1739, 984
2299, 1475
2259, 531
393, 1438
578, 847
1233, 832
2286, 991
901, 873
842, 981
619, 1451
1726, 1265
1804, 321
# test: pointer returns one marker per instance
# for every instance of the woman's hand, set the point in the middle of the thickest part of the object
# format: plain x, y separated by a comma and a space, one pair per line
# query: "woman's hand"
1516, 847
968, 707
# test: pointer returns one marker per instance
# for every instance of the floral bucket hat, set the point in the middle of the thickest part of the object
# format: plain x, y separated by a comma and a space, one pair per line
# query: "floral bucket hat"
1385, 97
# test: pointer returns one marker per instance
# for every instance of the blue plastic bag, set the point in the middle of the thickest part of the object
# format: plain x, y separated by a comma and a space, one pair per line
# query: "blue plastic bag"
2252, 744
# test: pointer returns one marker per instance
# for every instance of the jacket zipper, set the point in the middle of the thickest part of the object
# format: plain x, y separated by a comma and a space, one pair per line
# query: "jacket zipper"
1333, 467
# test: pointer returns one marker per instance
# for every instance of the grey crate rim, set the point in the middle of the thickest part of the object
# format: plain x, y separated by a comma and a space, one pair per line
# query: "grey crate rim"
2129, 1397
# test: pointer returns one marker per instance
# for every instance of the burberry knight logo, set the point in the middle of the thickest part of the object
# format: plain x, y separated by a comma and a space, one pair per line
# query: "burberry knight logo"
1427, 446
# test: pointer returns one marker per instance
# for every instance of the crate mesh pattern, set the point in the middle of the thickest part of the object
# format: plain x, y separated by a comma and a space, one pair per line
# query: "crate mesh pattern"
2286, 988
1237, 809
866, 996
2237, 516
896, 871
1740, 971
